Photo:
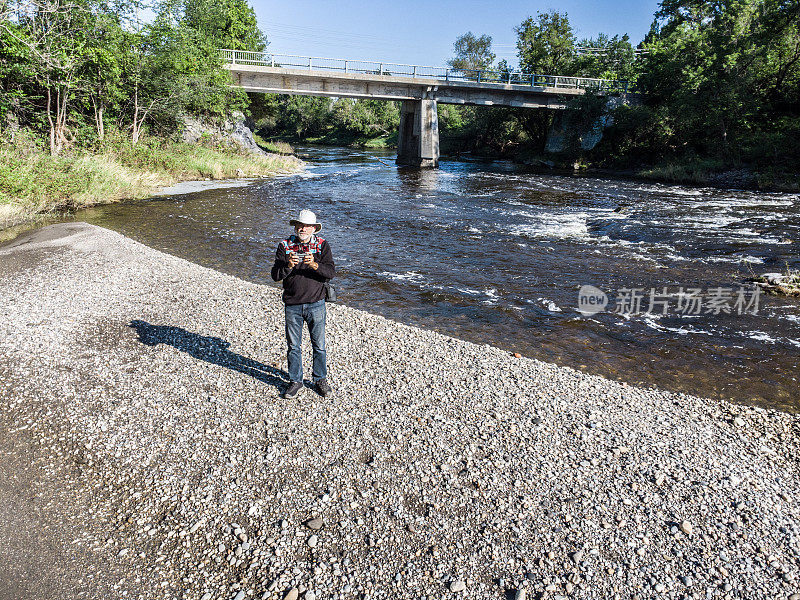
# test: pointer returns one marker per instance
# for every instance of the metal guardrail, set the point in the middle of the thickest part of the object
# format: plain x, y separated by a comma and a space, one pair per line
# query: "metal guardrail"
265, 59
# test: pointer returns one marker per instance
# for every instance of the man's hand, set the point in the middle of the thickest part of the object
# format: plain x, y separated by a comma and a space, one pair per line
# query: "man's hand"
308, 259
293, 260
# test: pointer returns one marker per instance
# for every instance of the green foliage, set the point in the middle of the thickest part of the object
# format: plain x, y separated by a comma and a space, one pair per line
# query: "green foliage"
546, 44
727, 75
230, 24
366, 118
324, 119
472, 53
71, 69
303, 116
610, 58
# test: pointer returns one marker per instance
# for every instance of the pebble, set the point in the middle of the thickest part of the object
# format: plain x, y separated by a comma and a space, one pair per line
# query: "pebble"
312, 541
507, 440
457, 586
292, 594
315, 524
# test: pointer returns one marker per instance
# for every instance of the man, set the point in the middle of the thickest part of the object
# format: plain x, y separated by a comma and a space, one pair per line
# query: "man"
304, 263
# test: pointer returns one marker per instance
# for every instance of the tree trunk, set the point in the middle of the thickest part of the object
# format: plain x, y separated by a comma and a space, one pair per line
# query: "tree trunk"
135, 130
97, 104
53, 150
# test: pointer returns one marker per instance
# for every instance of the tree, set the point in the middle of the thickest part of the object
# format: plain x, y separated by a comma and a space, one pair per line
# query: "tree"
728, 72
102, 71
606, 58
546, 44
17, 73
304, 115
472, 53
230, 24
54, 36
366, 118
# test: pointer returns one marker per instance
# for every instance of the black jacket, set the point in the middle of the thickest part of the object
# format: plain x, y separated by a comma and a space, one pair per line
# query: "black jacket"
302, 284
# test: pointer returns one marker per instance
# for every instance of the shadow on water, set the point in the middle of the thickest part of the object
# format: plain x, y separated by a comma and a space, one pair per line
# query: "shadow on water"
213, 350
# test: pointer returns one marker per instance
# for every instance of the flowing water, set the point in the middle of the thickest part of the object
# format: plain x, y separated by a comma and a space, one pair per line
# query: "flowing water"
492, 253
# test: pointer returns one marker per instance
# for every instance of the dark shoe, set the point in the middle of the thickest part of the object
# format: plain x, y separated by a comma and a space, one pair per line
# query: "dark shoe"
323, 389
293, 389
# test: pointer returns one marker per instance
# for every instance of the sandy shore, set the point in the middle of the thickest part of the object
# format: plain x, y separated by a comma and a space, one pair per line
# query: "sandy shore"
145, 452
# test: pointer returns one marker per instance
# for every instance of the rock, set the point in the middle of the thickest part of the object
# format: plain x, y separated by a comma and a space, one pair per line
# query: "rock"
312, 541
424, 405
240, 595
292, 594
773, 278
206, 596
314, 524
457, 586
234, 132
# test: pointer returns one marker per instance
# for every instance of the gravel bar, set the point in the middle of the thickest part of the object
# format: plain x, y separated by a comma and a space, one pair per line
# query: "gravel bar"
146, 453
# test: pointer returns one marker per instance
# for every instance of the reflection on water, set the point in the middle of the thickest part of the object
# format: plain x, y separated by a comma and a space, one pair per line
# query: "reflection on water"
494, 254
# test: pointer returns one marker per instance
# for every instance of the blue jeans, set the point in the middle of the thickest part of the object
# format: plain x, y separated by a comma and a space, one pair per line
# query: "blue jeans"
313, 314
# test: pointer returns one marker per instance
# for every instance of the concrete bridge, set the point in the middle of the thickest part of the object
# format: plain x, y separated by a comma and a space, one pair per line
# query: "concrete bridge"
418, 88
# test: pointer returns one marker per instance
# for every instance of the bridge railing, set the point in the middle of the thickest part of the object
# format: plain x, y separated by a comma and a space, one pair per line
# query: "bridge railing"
291, 61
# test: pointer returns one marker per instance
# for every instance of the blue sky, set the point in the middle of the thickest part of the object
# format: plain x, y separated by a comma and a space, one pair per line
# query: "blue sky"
422, 33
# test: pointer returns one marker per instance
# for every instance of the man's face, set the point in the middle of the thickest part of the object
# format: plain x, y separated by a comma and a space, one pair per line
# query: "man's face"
304, 232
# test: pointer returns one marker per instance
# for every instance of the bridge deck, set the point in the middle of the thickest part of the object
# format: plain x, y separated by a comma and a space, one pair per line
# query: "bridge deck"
279, 80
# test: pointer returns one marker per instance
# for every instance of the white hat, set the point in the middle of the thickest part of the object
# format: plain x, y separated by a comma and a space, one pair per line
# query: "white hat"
306, 217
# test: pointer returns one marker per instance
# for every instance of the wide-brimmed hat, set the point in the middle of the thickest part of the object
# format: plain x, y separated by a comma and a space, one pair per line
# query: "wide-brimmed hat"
306, 217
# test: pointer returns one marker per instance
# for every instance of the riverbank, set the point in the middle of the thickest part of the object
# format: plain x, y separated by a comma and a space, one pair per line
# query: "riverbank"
35, 185
144, 392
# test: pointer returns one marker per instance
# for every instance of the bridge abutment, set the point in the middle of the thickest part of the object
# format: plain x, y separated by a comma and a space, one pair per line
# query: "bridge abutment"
418, 139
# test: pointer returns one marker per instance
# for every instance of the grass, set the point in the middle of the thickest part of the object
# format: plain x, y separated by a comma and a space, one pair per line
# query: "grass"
715, 172
34, 183
697, 171
274, 146
337, 138
787, 284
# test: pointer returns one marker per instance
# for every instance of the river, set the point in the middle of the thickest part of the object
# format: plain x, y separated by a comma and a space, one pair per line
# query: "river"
494, 253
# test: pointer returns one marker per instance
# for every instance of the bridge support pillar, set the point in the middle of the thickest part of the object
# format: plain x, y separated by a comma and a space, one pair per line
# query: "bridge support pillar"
418, 142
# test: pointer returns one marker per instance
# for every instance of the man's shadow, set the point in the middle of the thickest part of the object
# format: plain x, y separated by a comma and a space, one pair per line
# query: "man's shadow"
210, 349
